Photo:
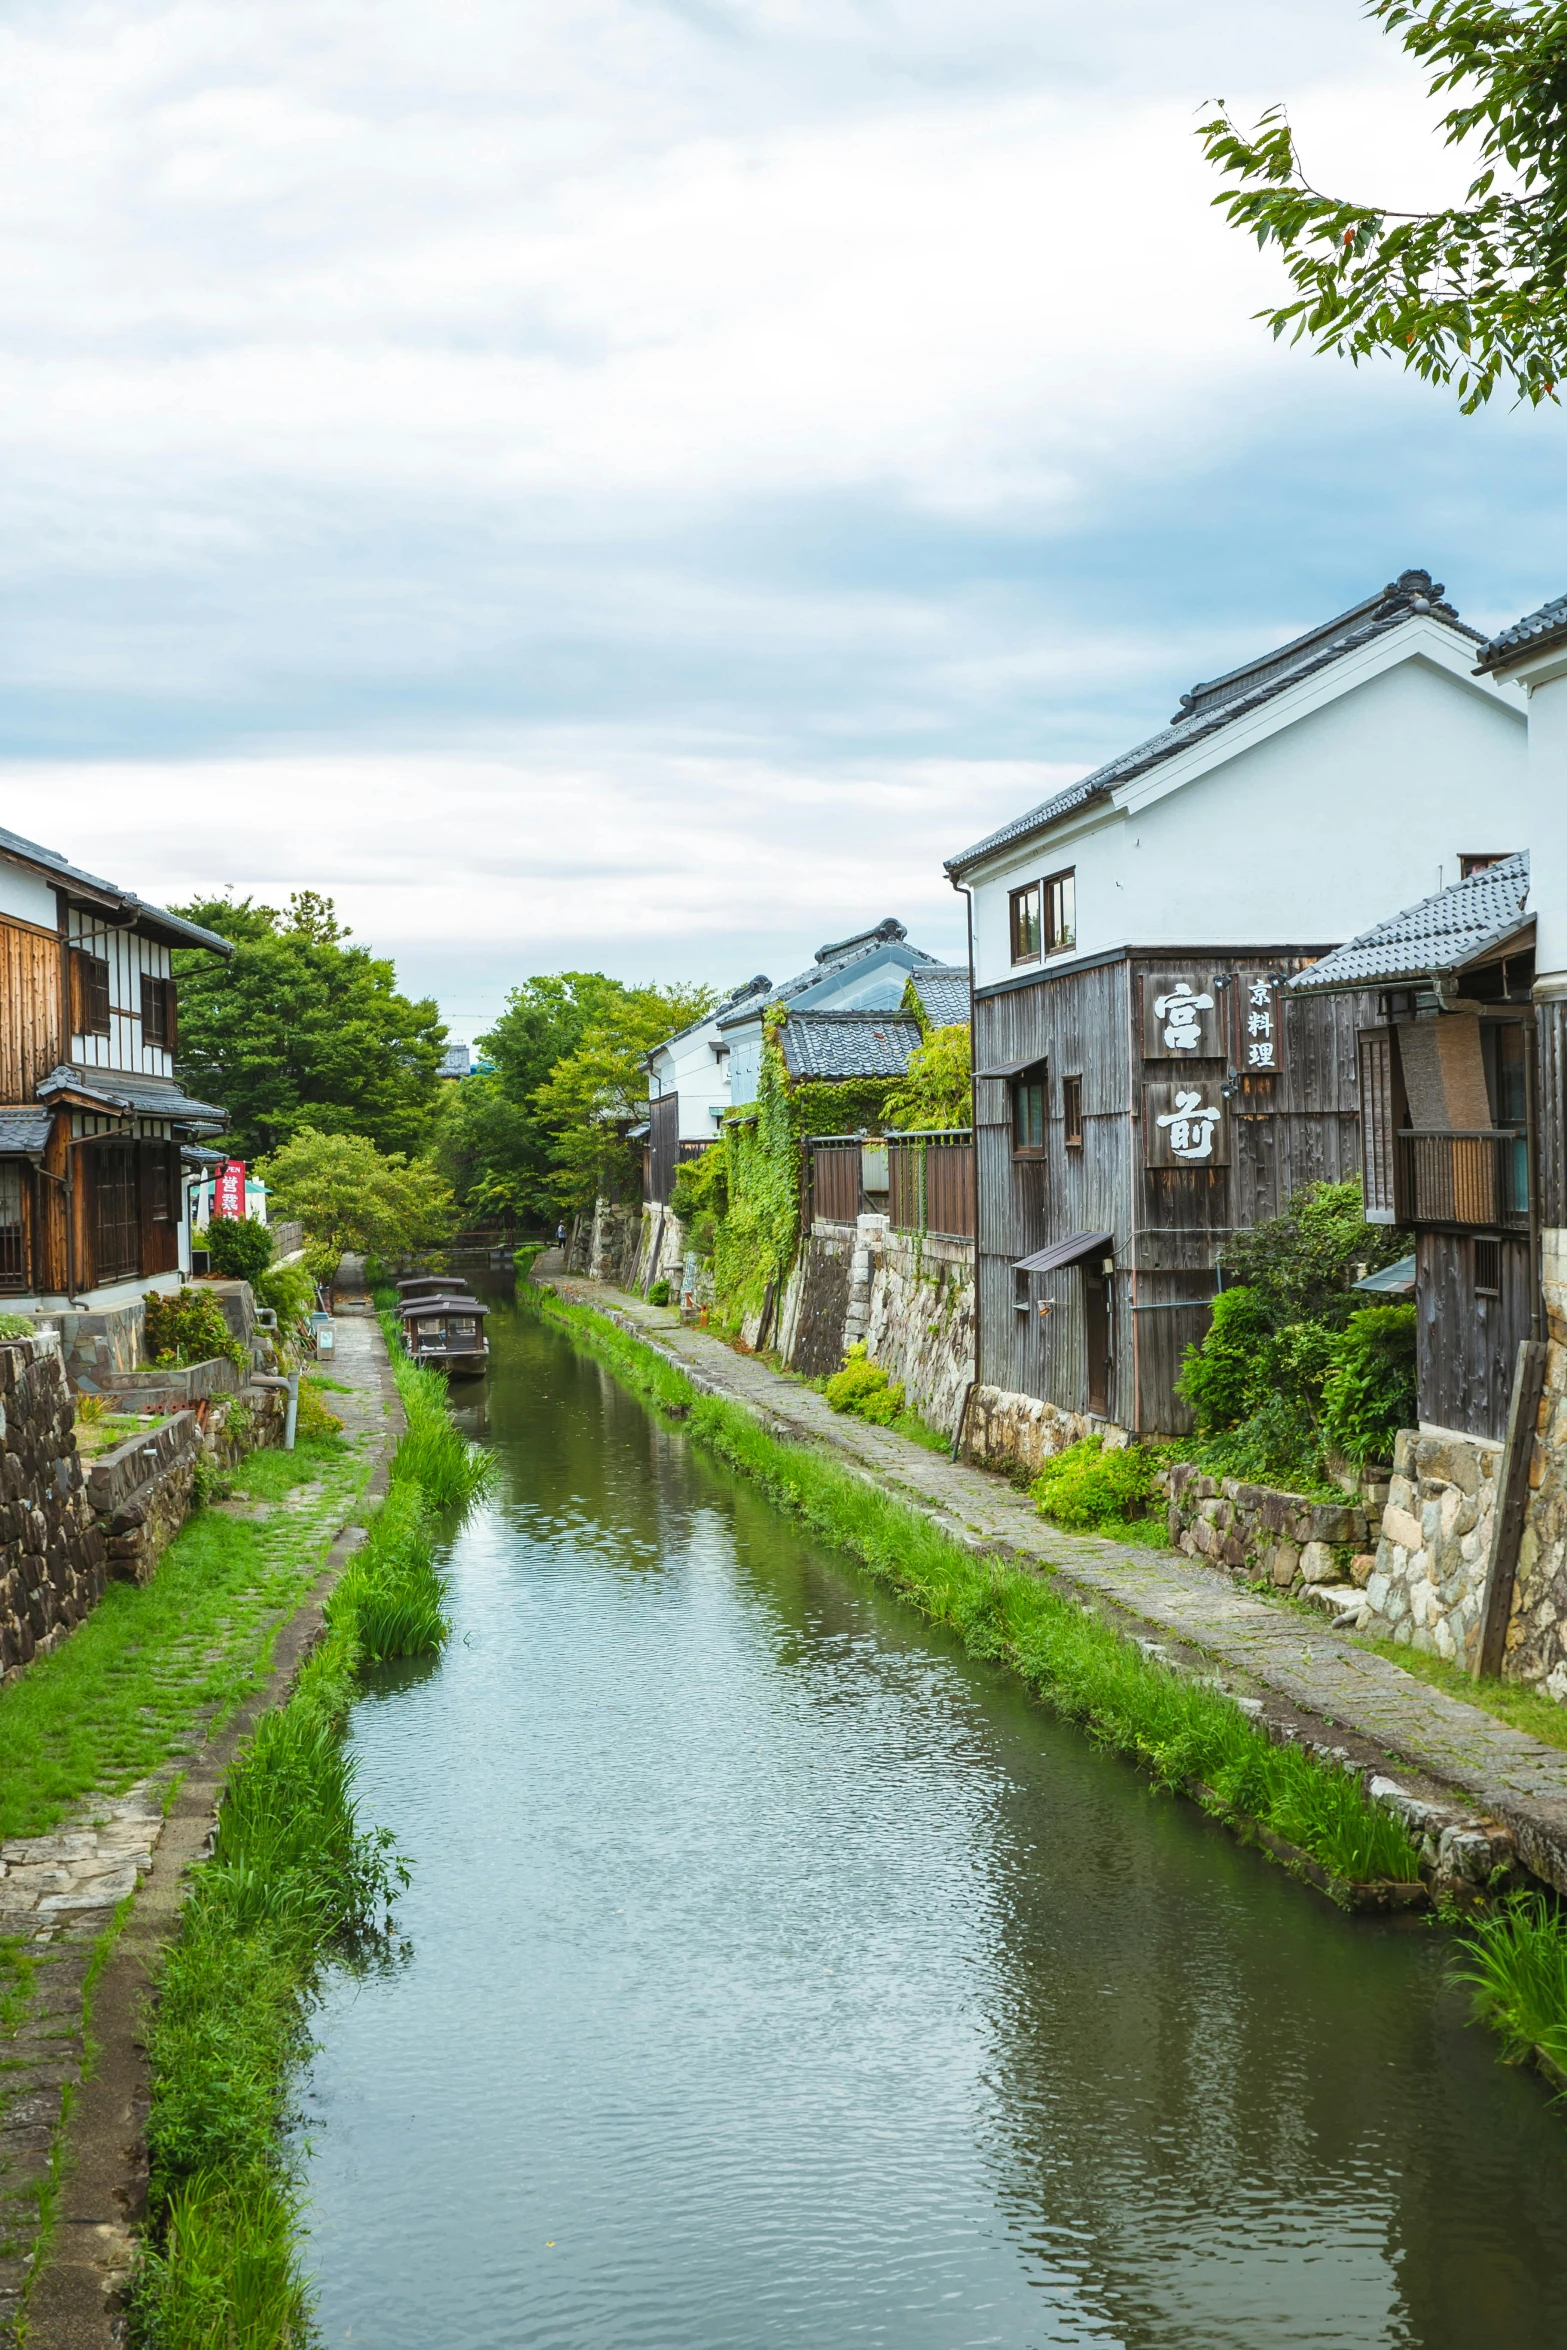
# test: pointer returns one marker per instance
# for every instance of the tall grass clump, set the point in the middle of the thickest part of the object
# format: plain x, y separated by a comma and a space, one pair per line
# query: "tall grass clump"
434, 1454
1185, 1733
1518, 1972
294, 1880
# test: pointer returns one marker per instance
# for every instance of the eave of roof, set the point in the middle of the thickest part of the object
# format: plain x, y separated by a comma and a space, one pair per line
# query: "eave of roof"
1471, 921
1209, 708
136, 913
126, 1095
839, 1045
1536, 632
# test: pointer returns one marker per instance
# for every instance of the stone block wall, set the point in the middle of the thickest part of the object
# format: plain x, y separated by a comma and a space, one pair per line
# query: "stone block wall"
1427, 1587
908, 1297
1537, 1626
92, 1346
1263, 1534
1017, 1434
52, 1562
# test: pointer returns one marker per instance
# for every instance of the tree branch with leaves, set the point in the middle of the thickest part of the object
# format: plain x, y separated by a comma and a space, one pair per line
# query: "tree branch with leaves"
1472, 296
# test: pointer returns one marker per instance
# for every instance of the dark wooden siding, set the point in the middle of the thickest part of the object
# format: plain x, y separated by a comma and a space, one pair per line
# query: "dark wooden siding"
1467, 1344
663, 1148
1290, 1127
29, 1010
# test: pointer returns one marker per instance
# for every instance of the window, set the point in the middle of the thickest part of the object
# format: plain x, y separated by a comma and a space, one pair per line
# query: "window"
1020, 1297
1488, 1268
1511, 1088
1072, 1111
1061, 912
158, 1013
89, 995
1028, 1114
1476, 861
13, 1237
117, 1220
1024, 907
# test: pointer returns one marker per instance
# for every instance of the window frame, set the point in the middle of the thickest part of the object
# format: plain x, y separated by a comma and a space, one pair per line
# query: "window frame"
1035, 1079
1061, 885
159, 1012
1015, 898
92, 1004
1072, 1112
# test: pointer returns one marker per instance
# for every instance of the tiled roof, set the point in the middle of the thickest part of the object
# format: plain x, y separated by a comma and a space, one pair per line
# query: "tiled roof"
123, 902
831, 961
736, 1001
1529, 635
1443, 932
24, 1130
1210, 707
944, 993
849, 1044
119, 1090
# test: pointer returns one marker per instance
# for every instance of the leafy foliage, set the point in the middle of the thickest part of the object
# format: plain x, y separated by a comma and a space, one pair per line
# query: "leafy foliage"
349, 1195
1473, 295
241, 1247
601, 1087
938, 1085
1368, 1392
1219, 1376
492, 1143
866, 1389
1087, 1486
189, 1327
301, 1029
1298, 1263
658, 1294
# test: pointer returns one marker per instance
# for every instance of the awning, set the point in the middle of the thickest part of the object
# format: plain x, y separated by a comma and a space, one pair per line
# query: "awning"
1012, 1068
24, 1131
1393, 1280
1066, 1252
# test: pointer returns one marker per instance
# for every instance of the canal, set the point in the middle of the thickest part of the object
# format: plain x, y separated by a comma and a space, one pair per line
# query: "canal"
774, 1974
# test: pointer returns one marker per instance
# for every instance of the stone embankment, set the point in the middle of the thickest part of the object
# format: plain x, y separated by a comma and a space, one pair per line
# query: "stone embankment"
1478, 1792
53, 1564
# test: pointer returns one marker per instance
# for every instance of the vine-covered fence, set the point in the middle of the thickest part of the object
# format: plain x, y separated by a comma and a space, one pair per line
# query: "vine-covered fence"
922, 1182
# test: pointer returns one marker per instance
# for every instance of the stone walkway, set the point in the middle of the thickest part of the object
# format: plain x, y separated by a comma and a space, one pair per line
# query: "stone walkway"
58, 1895
1314, 1682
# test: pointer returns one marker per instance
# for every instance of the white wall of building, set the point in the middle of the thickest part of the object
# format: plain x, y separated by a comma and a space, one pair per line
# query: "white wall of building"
1304, 822
27, 897
690, 1067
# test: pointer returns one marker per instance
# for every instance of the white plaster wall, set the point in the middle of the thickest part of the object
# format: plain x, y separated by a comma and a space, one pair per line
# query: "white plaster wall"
1547, 839
27, 896
688, 1067
1305, 837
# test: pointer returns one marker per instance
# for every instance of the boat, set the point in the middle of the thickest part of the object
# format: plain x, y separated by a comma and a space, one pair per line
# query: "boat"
430, 1285
447, 1332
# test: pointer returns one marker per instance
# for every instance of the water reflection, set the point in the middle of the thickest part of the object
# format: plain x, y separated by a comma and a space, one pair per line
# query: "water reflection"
780, 1976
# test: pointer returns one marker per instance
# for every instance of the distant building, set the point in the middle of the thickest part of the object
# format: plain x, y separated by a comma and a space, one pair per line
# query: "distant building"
454, 1062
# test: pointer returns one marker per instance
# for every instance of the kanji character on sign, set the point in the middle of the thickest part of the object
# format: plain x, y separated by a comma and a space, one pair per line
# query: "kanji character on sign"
1178, 1010
1191, 1125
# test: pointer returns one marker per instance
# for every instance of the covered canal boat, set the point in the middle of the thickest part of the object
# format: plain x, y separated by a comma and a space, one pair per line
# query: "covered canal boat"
447, 1332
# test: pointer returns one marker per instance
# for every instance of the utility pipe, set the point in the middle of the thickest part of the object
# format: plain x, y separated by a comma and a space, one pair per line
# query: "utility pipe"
291, 1422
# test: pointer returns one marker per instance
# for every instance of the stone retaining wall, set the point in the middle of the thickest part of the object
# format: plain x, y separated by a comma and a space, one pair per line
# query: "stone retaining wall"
52, 1564
1266, 1535
1427, 1587
1017, 1434
909, 1297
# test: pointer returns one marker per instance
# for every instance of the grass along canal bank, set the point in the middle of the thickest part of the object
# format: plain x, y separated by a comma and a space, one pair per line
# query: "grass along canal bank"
1315, 1797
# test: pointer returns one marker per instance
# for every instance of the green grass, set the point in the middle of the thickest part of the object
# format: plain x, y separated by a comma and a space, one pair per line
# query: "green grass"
154, 1661
1510, 1701
1518, 1972
1179, 1730
434, 1454
294, 1879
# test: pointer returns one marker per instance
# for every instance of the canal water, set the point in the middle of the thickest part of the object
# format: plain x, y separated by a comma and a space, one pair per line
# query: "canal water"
774, 1974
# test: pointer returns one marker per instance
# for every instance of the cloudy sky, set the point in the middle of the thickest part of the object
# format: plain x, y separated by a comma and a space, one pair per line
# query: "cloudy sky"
637, 482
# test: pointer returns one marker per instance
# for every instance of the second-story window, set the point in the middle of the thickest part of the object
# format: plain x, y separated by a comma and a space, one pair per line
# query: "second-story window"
1024, 905
1072, 1112
1061, 912
89, 995
158, 1013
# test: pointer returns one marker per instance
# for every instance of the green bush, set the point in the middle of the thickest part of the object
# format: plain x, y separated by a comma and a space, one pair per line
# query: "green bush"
658, 1295
864, 1388
188, 1327
1368, 1393
18, 1326
241, 1248
1299, 1263
1220, 1370
314, 1419
1086, 1487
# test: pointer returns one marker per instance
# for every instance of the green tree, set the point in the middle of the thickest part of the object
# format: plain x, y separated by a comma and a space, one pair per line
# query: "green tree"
599, 1089
1473, 295
493, 1143
938, 1086
302, 1029
350, 1196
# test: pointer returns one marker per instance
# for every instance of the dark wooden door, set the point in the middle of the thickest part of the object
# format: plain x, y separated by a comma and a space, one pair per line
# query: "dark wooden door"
1096, 1335
116, 1212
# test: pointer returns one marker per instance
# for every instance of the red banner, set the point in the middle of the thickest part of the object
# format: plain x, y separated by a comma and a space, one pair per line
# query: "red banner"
228, 1190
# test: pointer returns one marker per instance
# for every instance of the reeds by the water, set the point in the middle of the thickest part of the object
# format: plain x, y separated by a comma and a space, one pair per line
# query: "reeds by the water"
294, 1876
1180, 1729
1518, 1971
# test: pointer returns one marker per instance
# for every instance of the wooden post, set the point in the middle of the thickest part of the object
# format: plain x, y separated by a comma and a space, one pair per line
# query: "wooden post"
1512, 1500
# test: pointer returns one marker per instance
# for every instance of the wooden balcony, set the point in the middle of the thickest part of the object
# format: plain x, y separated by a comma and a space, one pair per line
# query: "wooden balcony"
1467, 1182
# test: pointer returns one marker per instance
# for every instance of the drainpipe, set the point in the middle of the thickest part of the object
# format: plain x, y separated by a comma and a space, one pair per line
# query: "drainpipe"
1531, 1172
973, 1125
292, 1421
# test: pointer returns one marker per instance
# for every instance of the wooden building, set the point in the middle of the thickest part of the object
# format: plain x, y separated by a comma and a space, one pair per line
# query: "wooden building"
1454, 1111
1147, 1079
92, 1115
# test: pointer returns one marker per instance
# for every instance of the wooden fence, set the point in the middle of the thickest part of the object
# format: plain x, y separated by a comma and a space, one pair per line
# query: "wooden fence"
928, 1179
